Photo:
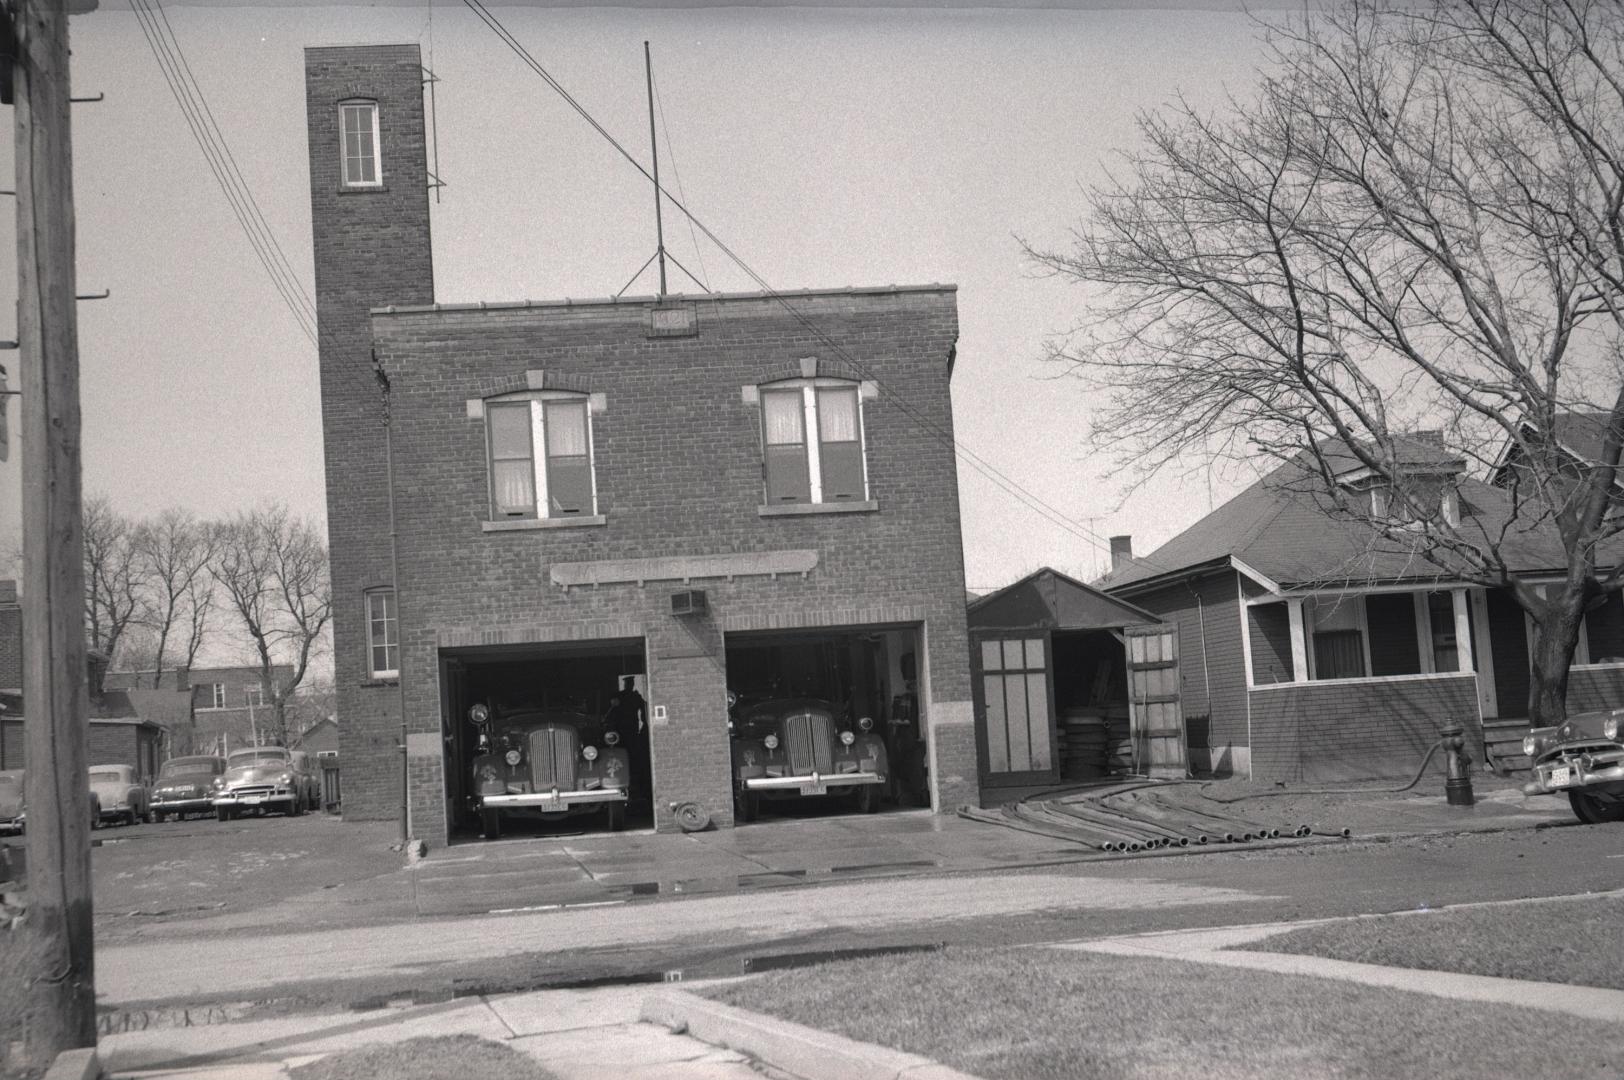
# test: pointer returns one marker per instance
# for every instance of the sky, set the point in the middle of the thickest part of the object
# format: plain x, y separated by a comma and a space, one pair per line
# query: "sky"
827, 146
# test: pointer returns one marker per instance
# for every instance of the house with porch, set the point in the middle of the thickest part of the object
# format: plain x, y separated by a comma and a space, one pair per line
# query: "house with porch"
1315, 649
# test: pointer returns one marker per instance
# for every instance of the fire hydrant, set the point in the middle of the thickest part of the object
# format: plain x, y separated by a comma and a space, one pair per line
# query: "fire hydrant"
1458, 784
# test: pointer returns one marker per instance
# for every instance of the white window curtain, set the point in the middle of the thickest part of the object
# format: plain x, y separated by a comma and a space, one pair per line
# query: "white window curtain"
837, 415
784, 423
512, 470
566, 429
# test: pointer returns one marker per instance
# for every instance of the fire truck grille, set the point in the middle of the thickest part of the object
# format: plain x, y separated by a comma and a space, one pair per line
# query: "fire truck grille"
810, 739
553, 754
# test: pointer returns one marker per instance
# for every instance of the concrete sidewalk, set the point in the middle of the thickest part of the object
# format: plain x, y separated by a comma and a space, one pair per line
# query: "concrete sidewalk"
575, 1034
1223, 947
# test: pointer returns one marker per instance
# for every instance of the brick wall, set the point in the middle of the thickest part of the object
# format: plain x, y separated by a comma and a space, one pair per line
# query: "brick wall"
678, 473
371, 248
1357, 729
1212, 667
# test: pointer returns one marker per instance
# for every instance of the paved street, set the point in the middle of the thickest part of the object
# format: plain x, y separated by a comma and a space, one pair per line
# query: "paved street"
711, 934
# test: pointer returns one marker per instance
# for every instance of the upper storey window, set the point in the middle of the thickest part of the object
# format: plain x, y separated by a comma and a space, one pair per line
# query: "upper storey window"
358, 122
812, 442
541, 456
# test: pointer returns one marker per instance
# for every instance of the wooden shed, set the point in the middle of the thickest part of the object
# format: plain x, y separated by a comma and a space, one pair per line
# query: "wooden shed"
1071, 684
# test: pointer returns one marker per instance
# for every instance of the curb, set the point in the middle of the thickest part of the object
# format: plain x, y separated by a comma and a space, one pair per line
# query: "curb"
806, 1052
80, 1064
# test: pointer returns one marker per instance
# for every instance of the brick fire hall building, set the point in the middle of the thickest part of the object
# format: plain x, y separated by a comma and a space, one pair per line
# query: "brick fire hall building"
562, 468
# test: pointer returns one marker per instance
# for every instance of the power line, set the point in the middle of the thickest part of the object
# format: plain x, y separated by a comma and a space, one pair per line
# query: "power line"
222, 163
974, 460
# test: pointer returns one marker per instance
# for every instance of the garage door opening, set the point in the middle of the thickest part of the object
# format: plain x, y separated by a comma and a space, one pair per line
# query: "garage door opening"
1091, 704
826, 722
546, 741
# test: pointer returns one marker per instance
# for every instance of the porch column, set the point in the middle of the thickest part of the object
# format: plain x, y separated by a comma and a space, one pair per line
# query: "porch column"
1463, 631
1299, 641
1423, 632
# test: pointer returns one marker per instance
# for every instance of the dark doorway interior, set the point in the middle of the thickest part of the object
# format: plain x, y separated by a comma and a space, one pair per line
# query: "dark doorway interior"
585, 679
1091, 704
867, 672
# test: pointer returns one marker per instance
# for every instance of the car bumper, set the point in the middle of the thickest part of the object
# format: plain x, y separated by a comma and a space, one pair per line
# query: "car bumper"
549, 801
273, 797
1592, 769
812, 783
182, 806
11, 825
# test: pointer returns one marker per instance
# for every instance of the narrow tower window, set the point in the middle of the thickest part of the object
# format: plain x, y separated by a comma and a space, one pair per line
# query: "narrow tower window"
358, 121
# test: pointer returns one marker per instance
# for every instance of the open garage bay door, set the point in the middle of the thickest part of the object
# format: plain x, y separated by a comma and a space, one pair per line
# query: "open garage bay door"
546, 739
825, 721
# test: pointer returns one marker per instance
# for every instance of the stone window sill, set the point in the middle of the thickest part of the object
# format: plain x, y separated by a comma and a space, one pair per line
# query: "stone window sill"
362, 189
391, 680
799, 509
526, 524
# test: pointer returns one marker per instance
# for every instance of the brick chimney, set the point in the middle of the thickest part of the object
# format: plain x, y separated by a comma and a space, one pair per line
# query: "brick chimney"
96, 665
11, 637
1121, 551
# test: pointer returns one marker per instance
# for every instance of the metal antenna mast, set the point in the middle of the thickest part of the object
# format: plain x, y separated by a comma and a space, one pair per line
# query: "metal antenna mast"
659, 227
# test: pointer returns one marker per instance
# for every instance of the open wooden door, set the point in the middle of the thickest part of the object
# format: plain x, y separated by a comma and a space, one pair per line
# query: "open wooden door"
1156, 715
1014, 700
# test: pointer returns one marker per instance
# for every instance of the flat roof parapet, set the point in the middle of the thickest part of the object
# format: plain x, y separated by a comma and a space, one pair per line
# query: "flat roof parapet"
669, 298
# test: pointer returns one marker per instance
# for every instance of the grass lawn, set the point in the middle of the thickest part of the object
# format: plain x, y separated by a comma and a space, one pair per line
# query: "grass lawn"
1032, 1014
1567, 941
440, 1057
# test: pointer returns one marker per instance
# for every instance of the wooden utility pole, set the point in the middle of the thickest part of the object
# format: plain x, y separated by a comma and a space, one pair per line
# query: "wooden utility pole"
63, 995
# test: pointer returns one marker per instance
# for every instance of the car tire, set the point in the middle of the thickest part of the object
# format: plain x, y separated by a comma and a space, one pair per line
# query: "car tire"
222, 813
615, 816
1592, 810
490, 822
131, 817
159, 816
868, 799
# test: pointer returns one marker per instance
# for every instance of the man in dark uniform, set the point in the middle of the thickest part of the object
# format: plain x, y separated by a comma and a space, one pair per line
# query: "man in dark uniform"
627, 717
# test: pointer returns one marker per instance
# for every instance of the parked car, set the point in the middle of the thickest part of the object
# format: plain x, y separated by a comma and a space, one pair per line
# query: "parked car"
265, 778
11, 801
120, 794
12, 787
548, 764
794, 748
185, 786
1584, 758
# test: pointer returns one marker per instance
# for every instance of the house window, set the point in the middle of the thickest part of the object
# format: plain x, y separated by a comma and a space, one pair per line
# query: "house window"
1419, 501
1337, 628
1441, 623
217, 695
558, 481
253, 696
358, 121
383, 635
812, 442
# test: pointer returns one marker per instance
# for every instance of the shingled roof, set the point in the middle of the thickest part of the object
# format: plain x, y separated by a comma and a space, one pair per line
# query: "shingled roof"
1286, 528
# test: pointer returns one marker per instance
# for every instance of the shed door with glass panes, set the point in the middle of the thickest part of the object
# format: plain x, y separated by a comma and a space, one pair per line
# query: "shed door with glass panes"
1014, 710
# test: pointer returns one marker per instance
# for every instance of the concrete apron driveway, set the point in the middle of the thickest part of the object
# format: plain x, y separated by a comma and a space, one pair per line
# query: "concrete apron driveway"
508, 875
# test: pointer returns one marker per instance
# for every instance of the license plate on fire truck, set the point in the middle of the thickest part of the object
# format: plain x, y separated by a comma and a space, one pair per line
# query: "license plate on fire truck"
819, 788
550, 805
1561, 776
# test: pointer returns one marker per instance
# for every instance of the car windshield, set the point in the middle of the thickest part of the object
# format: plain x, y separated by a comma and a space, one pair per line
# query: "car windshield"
106, 776
262, 757
187, 768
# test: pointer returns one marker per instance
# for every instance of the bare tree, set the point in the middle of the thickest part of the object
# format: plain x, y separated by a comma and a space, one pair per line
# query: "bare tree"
1414, 223
113, 575
174, 553
272, 572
